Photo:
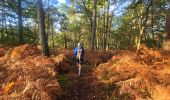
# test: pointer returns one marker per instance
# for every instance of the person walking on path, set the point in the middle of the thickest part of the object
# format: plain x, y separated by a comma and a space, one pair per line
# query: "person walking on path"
79, 53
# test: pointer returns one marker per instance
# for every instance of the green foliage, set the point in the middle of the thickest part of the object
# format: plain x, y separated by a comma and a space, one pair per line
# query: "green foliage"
125, 96
154, 29
71, 23
108, 89
108, 75
63, 80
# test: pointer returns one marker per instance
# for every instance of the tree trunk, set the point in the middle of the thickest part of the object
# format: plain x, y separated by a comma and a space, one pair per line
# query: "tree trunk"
104, 26
168, 24
34, 34
65, 40
98, 32
130, 38
41, 22
35, 28
21, 40
6, 32
109, 31
142, 26
2, 25
48, 21
152, 26
166, 43
52, 35
139, 38
94, 25
107, 23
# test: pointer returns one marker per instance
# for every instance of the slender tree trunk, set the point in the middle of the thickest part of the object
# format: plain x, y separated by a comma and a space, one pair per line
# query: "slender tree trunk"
48, 21
74, 40
168, 24
96, 42
166, 42
107, 23
2, 22
29, 27
52, 34
65, 40
35, 28
34, 35
21, 39
109, 31
104, 26
94, 25
6, 32
139, 38
11, 31
142, 26
10, 26
3, 18
41, 21
130, 39
29, 37
98, 32
152, 22
13, 34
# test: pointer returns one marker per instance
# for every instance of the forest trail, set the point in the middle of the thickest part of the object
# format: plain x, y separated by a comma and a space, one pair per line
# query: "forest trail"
85, 87
26, 74
43, 73
108, 80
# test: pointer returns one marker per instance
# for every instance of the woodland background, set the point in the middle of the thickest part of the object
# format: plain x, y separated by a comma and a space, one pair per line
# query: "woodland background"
99, 24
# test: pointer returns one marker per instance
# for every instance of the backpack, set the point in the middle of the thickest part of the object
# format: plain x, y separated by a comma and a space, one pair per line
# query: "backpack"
79, 52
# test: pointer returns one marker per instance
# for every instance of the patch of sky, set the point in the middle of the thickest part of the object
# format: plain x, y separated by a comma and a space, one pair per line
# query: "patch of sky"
61, 1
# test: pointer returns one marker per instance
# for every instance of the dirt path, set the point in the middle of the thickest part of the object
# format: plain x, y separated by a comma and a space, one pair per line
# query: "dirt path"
80, 88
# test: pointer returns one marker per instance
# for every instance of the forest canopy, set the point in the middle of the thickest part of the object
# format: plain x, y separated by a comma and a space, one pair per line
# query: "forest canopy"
99, 24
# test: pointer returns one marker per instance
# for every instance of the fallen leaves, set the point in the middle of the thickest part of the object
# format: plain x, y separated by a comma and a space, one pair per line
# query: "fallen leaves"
28, 74
5, 89
132, 74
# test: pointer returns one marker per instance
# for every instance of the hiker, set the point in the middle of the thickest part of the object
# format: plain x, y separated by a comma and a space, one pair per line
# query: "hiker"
79, 53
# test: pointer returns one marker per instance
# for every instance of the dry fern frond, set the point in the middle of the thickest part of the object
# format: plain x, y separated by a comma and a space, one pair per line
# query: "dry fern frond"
7, 88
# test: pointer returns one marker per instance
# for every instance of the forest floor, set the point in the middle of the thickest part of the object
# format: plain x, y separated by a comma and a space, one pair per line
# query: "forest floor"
124, 76
80, 88
106, 75
87, 86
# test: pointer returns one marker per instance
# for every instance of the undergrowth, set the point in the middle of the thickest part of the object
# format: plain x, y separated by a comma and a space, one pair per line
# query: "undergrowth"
63, 80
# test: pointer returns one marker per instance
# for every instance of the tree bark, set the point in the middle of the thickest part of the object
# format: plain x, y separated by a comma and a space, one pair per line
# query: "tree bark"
104, 26
52, 35
107, 23
48, 21
5, 27
64, 40
168, 24
143, 25
94, 25
2, 22
20, 24
152, 25
166, 42
41, 22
